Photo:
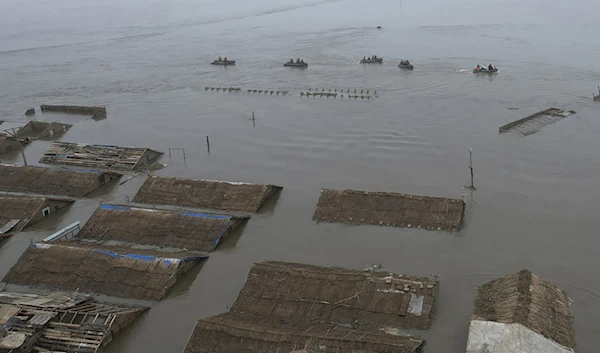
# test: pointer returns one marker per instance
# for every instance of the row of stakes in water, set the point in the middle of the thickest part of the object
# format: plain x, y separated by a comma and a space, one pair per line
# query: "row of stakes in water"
364, 94
235, 89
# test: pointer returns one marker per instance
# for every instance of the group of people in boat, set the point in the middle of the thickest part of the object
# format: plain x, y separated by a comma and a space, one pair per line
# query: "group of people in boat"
404, 62
483, 68
222, 59
374, 57
298, 61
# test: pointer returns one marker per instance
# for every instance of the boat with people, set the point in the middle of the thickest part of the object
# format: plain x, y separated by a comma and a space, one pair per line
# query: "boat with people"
223, 61
597, 97
298, 63
485, 70
371, 60
405, 64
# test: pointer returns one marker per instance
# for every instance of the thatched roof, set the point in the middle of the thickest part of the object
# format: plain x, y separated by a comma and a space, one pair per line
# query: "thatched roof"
21, 208
389, 209
207, 194
92, 268
61, 321
164, 228
47, 181
234, 333
529, 300
99, 156
363, 299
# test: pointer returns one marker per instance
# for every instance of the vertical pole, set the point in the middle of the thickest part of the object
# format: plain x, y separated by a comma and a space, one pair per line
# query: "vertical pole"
208, 144
471, 167
183, 149
170, 153
22, 152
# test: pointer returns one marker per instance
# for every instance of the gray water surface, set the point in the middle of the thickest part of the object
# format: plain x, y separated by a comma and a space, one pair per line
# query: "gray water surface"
148, 61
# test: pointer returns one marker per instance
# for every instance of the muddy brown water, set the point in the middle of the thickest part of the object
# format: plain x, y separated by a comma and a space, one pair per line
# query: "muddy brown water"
536, 201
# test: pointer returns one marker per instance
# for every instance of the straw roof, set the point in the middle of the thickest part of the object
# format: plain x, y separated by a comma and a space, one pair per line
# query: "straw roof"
164, 228
389, 209
207, 194
47, 181
234, 333
91, 268
99, 156
529, 300
21, 208
365, 300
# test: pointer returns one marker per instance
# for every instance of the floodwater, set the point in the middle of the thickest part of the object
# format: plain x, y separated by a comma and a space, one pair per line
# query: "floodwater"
536, 203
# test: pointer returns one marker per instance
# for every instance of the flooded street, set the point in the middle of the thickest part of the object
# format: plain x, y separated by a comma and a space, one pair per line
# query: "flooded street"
536, 203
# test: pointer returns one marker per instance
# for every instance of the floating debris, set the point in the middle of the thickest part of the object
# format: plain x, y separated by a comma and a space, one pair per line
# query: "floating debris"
535, 122
95, 112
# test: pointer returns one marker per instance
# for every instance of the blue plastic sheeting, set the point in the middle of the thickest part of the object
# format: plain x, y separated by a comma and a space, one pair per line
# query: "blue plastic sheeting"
204, 215
115, 207
144, 257
221, 235
97, 172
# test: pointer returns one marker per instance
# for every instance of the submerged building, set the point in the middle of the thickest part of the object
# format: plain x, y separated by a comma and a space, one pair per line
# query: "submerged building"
521, 312
100, 156
50, 181
389, 209
205, 194
288, 307
17, 212
95, 268
60, 322
158, 227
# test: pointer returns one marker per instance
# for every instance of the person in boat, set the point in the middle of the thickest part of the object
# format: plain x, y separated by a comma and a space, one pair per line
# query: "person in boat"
302, 61
298, 61
490, 67
219, 59
495, 69
364, 58
478, 68
225, 59
291, 60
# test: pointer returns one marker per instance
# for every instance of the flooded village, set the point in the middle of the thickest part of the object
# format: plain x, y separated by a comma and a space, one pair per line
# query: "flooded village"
66, 293
310, 176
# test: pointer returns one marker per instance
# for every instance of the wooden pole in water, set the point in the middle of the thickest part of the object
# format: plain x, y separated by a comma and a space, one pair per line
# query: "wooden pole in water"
208, 144
22, 152
471, 166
